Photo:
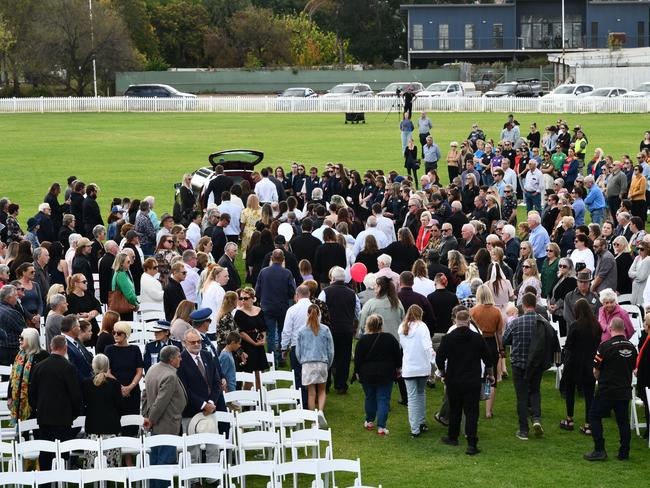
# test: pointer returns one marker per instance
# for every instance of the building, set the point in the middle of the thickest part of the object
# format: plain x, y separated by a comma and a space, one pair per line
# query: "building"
506, 29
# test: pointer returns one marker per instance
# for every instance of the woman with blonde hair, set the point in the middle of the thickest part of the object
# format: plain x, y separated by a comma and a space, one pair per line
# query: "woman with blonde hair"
530, 277
249, 217
464, 289
417, 350
205, 246
225, 320
422, 284
29, 354
82, 302
458, 266
490, 322
122, 281
185, 201
252, 328
212, 294
315, 353
525, 252
181, 321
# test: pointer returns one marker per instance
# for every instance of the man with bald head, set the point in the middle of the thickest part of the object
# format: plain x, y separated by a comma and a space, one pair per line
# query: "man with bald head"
469, 245
105, 270
294, 321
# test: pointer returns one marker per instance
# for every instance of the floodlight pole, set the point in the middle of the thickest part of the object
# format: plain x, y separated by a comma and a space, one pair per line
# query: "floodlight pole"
92, 45
563, 48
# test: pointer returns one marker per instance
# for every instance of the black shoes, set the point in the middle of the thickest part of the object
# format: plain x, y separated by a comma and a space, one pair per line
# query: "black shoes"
472, 450
449, 441
424, 428
596, 456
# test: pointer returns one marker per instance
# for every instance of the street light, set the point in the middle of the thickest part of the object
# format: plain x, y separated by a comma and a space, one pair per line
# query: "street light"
92, 45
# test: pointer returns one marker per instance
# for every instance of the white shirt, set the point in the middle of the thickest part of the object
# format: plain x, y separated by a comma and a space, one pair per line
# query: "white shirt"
318, 233
417, 350
69, 256
360, 243
510, 178
234, 228
385, 225
151, 290
212, 299
584, 256
193, 234
266, 191
190, 283
294, 321
534, 181
237, 201
423, 286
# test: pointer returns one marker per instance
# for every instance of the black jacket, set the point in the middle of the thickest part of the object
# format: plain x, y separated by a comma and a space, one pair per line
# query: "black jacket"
76, 209
459, 357
46, 230
105, 269
403, 256
376, 358
234, 281
304, 246
290, 262
172, 296
217, 186
328, 255
55, 392
81, 264
409, 297
219, 240
103, 406
57, 212
197, 389
442, 302
91, 215
544, 345
64, 236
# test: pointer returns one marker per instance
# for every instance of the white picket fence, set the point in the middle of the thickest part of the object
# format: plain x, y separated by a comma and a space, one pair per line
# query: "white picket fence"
268, 104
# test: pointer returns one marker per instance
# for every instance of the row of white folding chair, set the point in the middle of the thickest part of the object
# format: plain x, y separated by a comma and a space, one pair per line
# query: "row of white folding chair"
636, 403
269, 379
265, 399
277, 472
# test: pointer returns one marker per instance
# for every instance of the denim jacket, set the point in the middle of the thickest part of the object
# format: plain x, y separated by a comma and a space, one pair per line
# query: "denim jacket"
311, 348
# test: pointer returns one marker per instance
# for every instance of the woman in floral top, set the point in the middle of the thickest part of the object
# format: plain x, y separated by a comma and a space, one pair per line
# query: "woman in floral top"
225, 321
249, 217
14, 232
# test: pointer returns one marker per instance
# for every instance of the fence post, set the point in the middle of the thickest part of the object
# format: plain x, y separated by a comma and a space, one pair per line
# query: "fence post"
266, 103
42, 105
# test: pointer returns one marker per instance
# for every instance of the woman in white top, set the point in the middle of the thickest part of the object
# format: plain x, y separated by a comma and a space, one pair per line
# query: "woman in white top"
151, 290
530, 277
639, 272
582, 253
415, 339
422, 284
501, 289
212, 294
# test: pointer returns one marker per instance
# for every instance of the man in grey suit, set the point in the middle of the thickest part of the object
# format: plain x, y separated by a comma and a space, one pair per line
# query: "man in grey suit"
163, 402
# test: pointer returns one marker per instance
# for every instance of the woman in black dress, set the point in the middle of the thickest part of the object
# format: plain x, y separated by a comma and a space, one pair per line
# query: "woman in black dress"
105, 336
250, 321
255, 256
126, 367
57, 267
566, 283
411, 162
404, 252
83, 303
624, 260
582, 342
369, 255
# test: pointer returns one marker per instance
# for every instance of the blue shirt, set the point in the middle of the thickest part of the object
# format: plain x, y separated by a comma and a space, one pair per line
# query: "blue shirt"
227, 363
539, 239
431, 153
579, 209
595, 199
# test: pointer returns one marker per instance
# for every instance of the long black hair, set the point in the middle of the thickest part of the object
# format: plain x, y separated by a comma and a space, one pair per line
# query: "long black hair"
585, 318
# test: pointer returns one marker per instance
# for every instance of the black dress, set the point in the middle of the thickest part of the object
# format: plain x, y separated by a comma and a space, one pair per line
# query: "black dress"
369, 260
403, 256
85, 304
104, 339
124, 362
103, 405
623, 264
254, 326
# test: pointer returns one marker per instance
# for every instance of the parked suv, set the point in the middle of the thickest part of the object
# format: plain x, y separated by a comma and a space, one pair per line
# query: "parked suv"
349, 90
155, 90
520, 88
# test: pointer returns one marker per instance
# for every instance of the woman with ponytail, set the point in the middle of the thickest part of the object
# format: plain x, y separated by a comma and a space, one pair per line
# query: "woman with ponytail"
315, 352
102, 396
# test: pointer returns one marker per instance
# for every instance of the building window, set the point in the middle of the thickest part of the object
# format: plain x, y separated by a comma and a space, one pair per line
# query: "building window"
469, 36
594, 35
640, 34
418, 37
546, 32
443, 36
497, 36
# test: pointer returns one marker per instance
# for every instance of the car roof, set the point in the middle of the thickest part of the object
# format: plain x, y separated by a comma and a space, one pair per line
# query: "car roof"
297, 88
159, 85
351, 84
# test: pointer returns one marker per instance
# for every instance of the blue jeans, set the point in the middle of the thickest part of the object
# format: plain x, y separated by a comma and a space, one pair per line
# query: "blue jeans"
274, 325
415, 390
533, 201
161, 455
597, 215
297, 375
377, 402
406, 135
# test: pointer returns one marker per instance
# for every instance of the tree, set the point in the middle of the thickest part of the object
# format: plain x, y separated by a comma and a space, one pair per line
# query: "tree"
311, 46
19, 49
219, 11
136, 16
180, 26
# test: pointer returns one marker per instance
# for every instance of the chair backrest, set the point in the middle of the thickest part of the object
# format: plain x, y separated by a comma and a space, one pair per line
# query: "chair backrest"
343, 465
270, 358
253, 468
79, 445
127, 445
31, 449
131, 420
258, 439
255, 419
23, 478
244, 398
163, 440
311, 438
210, 471
26, 426
116, 475
282, 396
625, 298
5, 370
79, 423
4, 390
243, 377
57, 476
165, 473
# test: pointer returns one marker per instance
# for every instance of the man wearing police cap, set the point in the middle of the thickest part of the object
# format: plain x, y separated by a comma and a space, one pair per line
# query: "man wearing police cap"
161, 333
201, 321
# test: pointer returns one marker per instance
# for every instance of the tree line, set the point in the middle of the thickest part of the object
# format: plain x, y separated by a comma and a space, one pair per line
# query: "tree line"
52, 43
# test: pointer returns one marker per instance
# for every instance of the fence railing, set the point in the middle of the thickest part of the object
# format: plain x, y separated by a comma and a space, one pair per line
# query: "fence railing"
322, 104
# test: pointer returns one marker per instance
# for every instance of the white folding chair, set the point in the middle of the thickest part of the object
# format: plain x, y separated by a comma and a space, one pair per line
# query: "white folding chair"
163, 473
314, 439
127, 445
294, 468
5, 370
197, 471
243, 377
160, 440
115, 475
7, 457
240, 471
27, 427
340, 465
20, 478
79, 423
626, 298
243, 398
275, 399
292, 420
77, 447
134, 420
274, 376
258, 440
270, 358
255, 419
57, 476
635, 403
4, 391
203, 442
30, 450
647, 396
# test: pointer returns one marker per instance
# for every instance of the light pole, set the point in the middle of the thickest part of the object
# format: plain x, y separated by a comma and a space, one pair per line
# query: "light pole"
563, 61
92, 45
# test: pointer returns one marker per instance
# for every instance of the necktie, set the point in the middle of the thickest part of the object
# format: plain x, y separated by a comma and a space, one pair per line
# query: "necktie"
201, 367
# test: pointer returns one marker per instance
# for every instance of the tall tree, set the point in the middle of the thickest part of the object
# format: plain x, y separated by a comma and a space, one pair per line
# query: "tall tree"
136, 16
20, 52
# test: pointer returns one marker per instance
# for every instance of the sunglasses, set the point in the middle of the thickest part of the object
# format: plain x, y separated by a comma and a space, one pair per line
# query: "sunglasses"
446, 230
85, 282
549, 250
20, 289
244, 298
21, 338
562, 266
116, 333
183, 272
526, 266
192, 343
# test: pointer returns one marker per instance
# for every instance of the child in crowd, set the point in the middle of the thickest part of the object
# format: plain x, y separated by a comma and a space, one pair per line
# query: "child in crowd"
227, 359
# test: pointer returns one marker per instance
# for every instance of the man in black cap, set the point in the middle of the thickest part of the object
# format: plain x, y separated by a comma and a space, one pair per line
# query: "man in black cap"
161, 333
290, 260
583, 290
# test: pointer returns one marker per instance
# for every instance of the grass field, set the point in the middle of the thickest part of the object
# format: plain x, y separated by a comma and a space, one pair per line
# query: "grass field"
144, 154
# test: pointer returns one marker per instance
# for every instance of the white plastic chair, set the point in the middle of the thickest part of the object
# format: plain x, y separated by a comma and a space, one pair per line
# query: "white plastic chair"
127, 446
626, 298
270, 358
243, 377
311, 438
647, 395
194, 471
79, 423
287, 397
27, 427
240, 471
292, 420
243, 398
635, 403
162, 440
203, 441
272, 377
116, 475
77, 446
258, 440
7, 456
163, 473
255, 419
5, 370
57, 476
30, 450
294, 468
340, 465
21, 478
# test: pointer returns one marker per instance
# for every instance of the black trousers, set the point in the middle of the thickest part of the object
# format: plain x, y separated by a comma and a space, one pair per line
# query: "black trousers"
639, 209
602, 407
464, 399
52, 433
453, 171
340, 370
527, 385
613, 203
414, 172
570, 396
423, 141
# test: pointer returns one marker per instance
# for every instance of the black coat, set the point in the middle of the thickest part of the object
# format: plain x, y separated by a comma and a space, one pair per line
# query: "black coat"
442, 302
57, 212
105, 269
102, 406
55, 392
403, 256
234, 280
328, 255
64, 237
91, 216
409, 297
79, 360
578, 355
81, 264
198, 391
217, 186
376, 358
290, 262
46, 228
304, 246
172, 296
76, 209
219, 240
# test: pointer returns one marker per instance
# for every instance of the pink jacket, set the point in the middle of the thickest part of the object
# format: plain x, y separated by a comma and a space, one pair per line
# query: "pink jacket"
606, 318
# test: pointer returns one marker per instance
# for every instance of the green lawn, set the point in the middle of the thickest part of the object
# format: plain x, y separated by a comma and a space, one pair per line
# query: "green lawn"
144, 154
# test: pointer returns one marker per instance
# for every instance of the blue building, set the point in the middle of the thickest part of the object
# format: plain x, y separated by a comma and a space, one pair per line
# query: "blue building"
506, 29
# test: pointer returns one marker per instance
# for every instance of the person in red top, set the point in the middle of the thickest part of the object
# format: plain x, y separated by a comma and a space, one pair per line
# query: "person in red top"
424, 234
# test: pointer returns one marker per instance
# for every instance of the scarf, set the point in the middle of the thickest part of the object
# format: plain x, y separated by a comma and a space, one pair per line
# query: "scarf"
19, 407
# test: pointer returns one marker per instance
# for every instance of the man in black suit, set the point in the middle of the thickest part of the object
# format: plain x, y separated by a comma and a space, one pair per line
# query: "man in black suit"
70, 330
218, 234
54, 397
92, 216
76, 205
216, 187
52, 199
173, 293
228, 261
105, 269
201, 376
304, 246
161, 339
469, 245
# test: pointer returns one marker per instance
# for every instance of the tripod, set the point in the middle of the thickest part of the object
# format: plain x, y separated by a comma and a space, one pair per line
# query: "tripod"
397, 101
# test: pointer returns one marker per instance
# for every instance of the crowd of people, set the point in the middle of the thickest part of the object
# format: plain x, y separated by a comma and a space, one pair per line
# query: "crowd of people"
434, 281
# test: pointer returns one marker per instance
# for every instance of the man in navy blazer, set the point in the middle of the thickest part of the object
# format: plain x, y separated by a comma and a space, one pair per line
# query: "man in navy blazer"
70, 330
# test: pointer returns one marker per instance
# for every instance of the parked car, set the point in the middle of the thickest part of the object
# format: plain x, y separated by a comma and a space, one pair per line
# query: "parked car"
391, 90
569, 90
443, 89
521, 88
349, 90
239, 164
298, 93
643, 90
487, 80
607, 92
155, 90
